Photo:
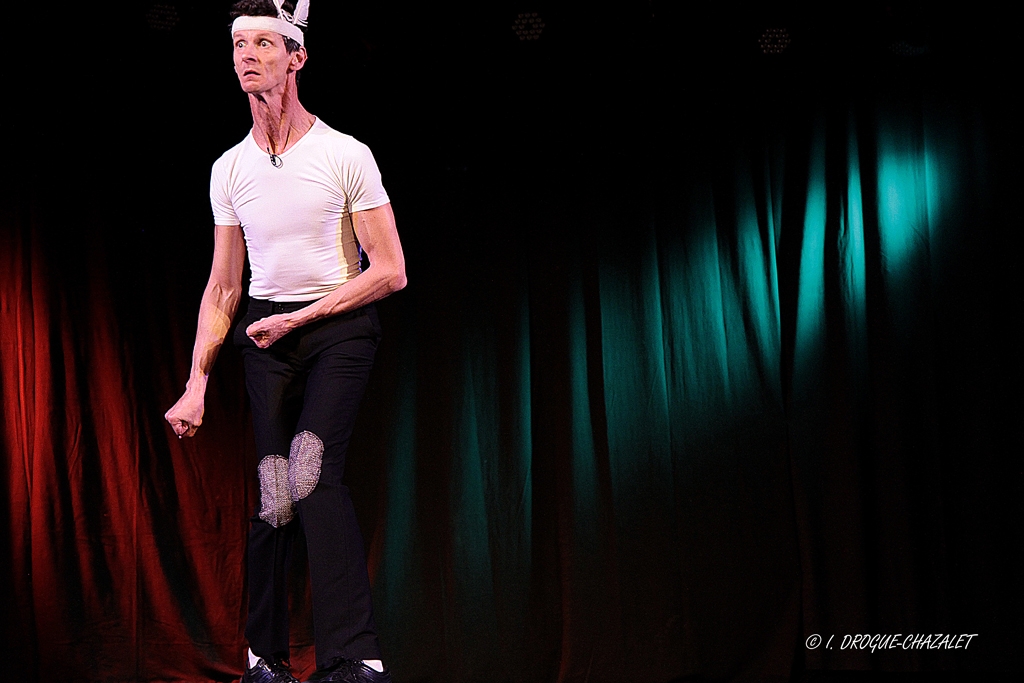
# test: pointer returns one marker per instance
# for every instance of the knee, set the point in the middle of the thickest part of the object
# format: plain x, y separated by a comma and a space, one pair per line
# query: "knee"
304, 462
276, 506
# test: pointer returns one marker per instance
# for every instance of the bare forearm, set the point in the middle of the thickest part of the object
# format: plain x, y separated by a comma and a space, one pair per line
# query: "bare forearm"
373, 284
216, 312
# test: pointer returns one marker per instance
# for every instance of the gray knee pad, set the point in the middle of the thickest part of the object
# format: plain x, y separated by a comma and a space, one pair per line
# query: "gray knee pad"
304, 461
276, 506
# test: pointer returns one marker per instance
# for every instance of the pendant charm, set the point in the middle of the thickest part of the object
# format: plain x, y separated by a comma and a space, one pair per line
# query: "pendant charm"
275, 161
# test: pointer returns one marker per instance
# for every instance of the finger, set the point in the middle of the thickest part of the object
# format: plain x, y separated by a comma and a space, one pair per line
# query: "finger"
254, 327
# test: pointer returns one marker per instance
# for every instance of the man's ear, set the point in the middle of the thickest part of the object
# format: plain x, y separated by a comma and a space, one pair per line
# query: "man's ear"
298, 59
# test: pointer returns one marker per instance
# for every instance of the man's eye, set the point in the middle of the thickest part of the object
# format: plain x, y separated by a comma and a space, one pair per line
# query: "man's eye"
264, 43
239, 45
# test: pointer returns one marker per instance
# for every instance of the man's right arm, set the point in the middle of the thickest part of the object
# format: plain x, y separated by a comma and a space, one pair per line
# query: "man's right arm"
217, 310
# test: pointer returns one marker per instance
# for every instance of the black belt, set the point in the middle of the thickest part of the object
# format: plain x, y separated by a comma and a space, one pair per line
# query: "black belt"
266, 307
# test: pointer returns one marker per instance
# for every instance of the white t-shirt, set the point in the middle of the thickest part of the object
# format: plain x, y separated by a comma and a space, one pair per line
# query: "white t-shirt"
297, 219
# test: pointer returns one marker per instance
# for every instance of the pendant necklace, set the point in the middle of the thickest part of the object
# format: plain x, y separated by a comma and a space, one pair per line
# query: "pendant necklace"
275, 160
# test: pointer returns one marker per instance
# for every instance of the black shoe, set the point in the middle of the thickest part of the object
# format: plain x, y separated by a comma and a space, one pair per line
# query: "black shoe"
274, 671
349, 671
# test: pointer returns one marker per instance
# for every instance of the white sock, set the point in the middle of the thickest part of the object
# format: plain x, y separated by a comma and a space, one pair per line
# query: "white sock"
252, 659
374, 664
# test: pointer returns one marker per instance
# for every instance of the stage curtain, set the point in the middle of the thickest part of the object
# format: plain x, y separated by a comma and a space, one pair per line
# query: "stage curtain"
652, 410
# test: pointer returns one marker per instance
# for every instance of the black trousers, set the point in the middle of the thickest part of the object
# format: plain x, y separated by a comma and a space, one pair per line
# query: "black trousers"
305, 391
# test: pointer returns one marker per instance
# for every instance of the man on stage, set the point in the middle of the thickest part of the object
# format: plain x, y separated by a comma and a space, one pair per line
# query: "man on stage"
304, 201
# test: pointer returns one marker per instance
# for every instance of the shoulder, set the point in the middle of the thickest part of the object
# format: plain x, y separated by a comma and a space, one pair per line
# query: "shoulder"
229, 159
341, 144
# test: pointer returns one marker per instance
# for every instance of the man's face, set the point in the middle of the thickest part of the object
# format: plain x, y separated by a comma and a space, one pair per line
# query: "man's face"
262, 62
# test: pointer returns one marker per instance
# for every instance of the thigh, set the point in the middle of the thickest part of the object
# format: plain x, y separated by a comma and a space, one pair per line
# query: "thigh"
334, 389
276, 387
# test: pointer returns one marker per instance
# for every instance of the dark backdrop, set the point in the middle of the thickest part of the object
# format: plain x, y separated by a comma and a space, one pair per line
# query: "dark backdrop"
705, 350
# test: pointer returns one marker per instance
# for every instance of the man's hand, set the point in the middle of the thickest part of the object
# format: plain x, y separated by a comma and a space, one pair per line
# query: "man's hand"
268, 330
186, 415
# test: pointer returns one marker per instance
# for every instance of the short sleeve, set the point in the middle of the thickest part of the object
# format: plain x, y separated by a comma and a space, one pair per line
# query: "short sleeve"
220, 196
360, 179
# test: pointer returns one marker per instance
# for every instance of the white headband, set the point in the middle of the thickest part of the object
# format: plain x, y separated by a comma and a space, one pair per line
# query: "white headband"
285, 23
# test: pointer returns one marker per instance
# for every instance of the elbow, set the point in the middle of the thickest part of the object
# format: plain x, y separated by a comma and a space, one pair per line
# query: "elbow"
398, 280
389, 277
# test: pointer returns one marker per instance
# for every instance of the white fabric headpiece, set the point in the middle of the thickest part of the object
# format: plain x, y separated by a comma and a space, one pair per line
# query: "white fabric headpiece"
286, 24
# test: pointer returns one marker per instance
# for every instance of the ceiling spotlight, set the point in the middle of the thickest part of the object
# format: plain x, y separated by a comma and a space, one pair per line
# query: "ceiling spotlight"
162, 17
774, 41
528, 26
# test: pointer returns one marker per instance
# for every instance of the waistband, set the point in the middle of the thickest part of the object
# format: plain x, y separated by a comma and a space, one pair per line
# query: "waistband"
265, 307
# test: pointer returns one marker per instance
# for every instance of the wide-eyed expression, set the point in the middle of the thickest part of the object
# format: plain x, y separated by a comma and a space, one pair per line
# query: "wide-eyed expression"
262, 63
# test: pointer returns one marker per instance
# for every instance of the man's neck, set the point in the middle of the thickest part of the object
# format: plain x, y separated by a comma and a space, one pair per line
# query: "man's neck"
278, 118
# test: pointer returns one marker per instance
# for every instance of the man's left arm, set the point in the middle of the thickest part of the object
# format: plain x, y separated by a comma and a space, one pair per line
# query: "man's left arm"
377, 234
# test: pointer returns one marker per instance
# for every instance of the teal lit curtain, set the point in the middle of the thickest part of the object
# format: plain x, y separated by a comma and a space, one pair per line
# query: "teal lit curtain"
899, 397
687, 431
